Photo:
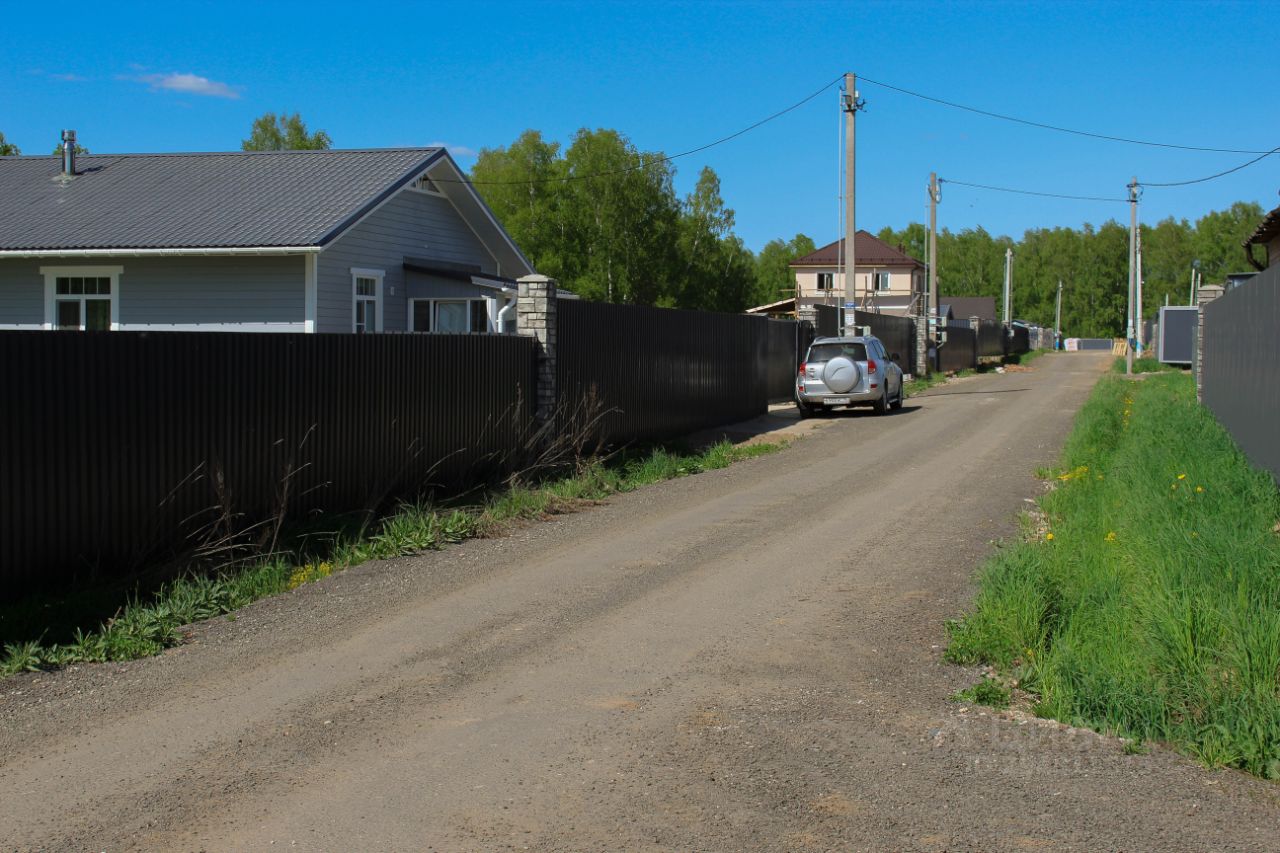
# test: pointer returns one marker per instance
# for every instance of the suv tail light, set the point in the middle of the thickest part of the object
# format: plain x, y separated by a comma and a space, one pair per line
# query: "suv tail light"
802, 368
871, 365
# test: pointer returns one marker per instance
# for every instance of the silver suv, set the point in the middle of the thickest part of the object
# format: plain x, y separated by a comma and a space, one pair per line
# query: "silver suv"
853, 371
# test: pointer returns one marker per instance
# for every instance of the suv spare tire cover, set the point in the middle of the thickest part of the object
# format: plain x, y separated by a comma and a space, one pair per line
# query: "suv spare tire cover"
840, 374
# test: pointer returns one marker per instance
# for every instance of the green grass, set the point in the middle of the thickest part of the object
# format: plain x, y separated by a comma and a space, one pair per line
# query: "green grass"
1145, 364
1150, 606
987, 692
148, 624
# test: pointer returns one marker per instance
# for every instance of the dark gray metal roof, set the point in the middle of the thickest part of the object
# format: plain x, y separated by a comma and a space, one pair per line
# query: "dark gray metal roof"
220, 200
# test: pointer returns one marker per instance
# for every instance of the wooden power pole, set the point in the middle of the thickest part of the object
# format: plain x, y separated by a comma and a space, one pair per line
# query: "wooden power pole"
1130, 338
850, 103
1008, 287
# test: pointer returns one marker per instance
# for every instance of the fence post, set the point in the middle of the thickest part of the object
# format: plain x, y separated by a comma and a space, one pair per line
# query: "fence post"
536, 318
1204, 296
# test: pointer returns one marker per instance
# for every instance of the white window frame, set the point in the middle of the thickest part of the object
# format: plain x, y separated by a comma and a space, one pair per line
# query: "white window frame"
434, 301
51, 276
830, 278
358, 273
887, 278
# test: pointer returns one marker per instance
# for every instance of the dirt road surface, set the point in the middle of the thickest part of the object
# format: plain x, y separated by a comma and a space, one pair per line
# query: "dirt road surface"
748, 659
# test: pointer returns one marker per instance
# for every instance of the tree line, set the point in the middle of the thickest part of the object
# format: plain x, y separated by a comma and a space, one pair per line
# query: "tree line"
1092, 263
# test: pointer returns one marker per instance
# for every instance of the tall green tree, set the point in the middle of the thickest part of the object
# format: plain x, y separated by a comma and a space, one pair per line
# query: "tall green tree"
774, 278
7, 149
271, 132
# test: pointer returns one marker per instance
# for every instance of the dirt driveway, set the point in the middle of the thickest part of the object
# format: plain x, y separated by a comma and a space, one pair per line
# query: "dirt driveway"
748, 659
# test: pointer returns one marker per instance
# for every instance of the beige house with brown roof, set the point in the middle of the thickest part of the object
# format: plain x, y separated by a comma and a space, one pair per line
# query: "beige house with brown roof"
886, 278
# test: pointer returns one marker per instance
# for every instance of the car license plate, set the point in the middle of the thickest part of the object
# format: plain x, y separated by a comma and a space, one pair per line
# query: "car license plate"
837, 401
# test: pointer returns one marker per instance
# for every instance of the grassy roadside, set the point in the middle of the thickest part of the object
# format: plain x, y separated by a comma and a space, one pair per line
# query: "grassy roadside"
1146, 600
149, 624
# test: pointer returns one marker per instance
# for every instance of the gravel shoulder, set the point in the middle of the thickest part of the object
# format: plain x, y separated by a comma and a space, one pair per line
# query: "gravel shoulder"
748, 659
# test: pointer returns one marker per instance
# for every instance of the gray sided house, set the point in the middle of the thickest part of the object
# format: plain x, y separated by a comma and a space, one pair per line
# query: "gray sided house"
388, 240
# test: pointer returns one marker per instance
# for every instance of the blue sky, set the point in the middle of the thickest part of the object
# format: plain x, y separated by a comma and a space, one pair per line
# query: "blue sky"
672, 76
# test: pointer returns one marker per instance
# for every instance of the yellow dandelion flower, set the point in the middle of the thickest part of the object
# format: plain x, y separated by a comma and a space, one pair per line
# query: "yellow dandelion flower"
1199, 489
1182, 476
1049, 537
1111, 537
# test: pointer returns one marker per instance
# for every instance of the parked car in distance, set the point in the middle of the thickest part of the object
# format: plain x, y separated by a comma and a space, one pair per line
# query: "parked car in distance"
849, 371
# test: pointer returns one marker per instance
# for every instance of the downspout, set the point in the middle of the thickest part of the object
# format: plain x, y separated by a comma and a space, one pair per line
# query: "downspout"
510, 296
1248, 255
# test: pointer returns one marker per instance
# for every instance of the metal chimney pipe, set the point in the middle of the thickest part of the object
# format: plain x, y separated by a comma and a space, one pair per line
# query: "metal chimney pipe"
68, 153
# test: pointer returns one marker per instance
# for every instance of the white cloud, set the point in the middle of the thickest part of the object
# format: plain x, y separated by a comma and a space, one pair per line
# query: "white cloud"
69, 78
191, 84
455, 150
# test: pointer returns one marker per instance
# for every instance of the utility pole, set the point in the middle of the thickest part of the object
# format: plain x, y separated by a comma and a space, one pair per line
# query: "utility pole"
1195, 273
850, 103
1008, 287
1057, 317
934, 197
1137, 302
1130, 339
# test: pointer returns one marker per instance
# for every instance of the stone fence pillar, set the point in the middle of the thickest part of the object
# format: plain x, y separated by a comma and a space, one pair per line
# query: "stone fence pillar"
536, 318
1204, 296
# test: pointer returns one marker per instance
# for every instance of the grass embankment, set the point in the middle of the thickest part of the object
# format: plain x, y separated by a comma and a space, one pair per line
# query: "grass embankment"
40, 634
1145, 364
1146, 602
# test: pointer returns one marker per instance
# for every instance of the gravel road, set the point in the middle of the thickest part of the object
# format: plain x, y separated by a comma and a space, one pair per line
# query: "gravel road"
748, 659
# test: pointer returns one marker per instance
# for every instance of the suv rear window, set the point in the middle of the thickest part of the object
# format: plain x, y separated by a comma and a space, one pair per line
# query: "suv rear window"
826, 352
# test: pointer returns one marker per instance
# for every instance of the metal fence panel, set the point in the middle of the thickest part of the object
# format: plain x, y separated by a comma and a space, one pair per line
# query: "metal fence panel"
990, 338
657, 373
1239, 360
898, 334
118, 448
960, 351
828, 321
1175, 334
782, 357
1017, 340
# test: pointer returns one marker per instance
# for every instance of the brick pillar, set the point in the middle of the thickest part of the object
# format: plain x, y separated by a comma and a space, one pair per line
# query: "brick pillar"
1204, 296
921, 366
536, 318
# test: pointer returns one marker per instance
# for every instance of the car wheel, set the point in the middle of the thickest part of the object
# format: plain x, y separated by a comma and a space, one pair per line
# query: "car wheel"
882, 405
805, 410
897, 401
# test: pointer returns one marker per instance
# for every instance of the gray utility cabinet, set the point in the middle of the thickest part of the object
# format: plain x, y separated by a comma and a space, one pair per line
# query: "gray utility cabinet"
1178, 334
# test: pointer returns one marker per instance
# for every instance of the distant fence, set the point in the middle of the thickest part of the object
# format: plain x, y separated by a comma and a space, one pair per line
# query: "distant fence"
959, 352
898, 334
120, 448
1017, 340
658, 373
1239, 364
990, 338
828, 325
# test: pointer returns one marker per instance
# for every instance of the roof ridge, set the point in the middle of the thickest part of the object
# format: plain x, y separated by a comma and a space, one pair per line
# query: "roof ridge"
308, 151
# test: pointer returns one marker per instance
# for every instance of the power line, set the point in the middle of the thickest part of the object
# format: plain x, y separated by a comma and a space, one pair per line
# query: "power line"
1058, 128
1263, 156
646, 163
1028, 192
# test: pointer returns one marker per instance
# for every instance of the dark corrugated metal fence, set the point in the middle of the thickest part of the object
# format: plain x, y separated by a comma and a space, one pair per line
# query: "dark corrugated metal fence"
898, 334
1240, 357
960, 350
118, 447
657, 373
990, 338
783, 350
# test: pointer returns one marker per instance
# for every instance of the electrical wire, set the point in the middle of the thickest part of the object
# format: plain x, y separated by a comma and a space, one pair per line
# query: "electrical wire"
1263, 156
1029, 192
1057, 128
645, 162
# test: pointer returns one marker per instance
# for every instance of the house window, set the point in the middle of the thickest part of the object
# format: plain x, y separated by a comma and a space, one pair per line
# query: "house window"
882, 281
825, 280
366, 309
449, 316
81, 298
